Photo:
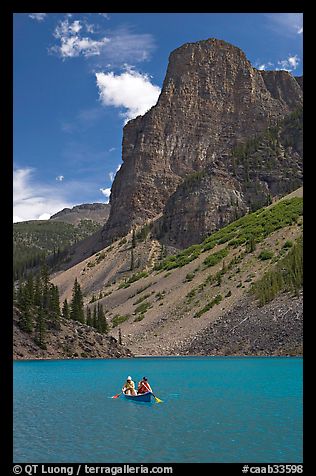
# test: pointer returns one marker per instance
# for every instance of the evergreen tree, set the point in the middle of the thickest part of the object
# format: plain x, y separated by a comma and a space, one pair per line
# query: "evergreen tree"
77, 311
251, 245
65, 310
54, 308
29, 289
37, 297
89, 320
25, 306
40, 328
95, 317
45, 287
102, 325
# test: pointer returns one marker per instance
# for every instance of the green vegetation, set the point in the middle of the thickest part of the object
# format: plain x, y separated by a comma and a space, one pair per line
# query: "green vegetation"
288, 244
265, 254
77, 312
45, 240
179, 260
215, 258
287, 275
139, 318
189, 277
143, 307
141, 299
135, 277
208, 306
97, 319
38, 302
247, 231
118, 320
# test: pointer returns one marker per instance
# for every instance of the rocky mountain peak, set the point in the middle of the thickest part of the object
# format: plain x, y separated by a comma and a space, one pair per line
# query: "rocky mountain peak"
212, 99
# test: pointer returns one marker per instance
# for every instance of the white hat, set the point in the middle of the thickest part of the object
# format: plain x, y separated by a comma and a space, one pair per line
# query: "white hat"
129, 378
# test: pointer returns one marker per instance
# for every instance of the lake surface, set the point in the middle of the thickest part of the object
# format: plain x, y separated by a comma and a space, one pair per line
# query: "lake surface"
215, 409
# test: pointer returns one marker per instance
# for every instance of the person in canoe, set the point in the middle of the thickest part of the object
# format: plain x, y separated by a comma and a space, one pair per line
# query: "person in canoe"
129, 387
143, 386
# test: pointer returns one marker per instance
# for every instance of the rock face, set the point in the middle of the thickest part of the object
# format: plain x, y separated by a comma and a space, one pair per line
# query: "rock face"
212, 100
98, 212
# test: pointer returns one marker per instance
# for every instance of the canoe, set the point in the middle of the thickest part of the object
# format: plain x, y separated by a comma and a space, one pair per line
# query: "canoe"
142, 397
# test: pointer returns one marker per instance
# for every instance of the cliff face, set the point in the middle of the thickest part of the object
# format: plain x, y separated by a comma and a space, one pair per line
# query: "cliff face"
212, 100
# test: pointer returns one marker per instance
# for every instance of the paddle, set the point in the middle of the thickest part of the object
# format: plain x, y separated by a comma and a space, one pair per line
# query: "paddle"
117, 395
156, 398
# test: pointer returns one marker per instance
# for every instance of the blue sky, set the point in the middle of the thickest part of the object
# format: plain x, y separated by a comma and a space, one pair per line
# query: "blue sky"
79, 77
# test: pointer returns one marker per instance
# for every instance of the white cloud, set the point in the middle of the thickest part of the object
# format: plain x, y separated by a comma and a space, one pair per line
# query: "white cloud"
293, 61
263, 66
33, 200
106, 192
290, 63
38, 16
60, 178
130, 90
72, 44
105, 15
45, 216
120, 46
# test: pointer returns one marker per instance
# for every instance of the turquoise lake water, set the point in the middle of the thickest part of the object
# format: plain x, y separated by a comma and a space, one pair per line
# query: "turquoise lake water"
214, 410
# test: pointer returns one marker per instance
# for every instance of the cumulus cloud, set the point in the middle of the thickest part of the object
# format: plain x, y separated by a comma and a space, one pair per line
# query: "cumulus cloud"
60, 178
106, 192
73, 43
32, 200
38, 16
130, 90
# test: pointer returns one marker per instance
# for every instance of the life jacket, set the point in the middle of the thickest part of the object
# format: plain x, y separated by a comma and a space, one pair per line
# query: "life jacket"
143, 388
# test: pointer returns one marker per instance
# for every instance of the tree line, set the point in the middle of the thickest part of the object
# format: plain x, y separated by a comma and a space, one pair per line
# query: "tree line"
37, 300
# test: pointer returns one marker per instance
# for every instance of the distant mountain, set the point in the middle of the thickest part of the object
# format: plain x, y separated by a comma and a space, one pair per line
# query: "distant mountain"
97, 212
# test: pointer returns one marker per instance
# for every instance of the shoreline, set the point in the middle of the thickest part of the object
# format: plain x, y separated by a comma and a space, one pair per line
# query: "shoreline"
161, 357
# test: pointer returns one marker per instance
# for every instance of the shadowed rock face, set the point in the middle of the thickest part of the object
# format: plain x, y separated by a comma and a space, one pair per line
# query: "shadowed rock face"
212, 99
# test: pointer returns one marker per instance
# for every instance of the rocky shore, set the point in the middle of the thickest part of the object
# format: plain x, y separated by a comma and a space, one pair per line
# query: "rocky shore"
274, 329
